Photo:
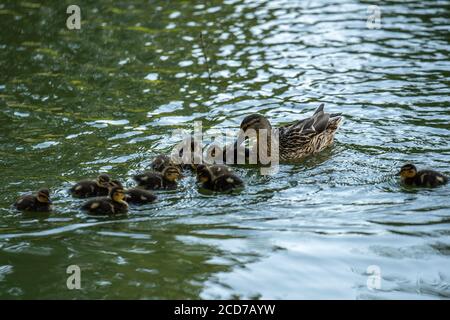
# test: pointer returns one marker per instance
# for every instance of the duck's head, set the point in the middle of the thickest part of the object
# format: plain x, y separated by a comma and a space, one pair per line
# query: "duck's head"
204, 173
255, 122
117, 194
103, 180
171, 173
160, 162
43, 196
115, 183
408, 171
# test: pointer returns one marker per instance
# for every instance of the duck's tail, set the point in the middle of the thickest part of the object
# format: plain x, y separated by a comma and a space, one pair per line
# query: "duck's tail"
320, 109
334, 120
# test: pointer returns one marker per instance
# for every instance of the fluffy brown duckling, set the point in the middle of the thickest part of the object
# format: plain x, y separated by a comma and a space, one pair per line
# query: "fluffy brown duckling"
167, 179
136, 195
161, 162
92, 188
40, 202
218, 178
423, 178
226, 182
139, 196
113, 204
212, 171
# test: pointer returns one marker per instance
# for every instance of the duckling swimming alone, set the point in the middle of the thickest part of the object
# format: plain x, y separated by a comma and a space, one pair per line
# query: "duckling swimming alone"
113, 204
136, 195
90, 188
218, 178
167, 179
423, 178
40, 202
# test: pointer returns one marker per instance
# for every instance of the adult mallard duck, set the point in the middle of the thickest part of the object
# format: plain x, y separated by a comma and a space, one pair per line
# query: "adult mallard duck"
301, 138
40, 202
423, 178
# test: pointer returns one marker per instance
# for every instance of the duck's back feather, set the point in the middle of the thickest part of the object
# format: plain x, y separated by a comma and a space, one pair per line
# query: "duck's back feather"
309, 135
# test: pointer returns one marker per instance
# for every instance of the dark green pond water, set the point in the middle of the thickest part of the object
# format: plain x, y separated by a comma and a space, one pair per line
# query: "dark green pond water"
108, 97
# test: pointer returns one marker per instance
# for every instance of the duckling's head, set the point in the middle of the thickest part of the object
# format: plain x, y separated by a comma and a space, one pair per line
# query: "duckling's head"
204, 174
408, 171
255, 122
43, 196
103, 180
117, 194
160, 162
115, 183
171, 173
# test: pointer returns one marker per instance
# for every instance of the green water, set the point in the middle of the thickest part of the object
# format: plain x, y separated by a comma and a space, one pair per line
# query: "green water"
108, 97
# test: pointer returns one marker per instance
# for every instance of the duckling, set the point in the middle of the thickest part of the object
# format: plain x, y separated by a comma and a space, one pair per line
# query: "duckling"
161, 162
212, 171
167, 179
89, 188
40, 202
423, 178
139, 196
136, 195
218, 178
226, 182
113, 204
